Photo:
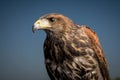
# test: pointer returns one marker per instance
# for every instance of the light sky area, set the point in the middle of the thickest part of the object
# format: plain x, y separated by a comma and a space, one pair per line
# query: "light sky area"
21, 51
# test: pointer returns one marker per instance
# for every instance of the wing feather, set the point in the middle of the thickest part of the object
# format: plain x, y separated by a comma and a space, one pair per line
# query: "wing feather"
98, 51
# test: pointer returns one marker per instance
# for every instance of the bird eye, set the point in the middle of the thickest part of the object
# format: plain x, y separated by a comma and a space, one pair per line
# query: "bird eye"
52, 19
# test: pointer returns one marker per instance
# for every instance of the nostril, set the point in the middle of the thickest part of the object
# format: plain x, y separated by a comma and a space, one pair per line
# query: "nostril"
38, 22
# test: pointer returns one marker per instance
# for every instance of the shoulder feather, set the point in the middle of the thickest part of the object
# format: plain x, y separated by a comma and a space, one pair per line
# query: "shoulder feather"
98, 51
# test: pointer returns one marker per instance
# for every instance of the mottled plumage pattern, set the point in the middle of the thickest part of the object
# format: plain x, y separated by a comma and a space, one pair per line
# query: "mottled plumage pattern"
72, 52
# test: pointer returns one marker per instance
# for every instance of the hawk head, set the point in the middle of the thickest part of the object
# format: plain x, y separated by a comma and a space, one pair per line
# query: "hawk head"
55, 23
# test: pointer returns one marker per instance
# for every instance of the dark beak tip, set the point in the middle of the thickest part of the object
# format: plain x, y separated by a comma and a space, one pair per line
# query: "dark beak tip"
33, 29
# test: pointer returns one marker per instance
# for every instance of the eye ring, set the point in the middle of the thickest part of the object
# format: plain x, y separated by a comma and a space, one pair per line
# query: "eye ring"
52, 19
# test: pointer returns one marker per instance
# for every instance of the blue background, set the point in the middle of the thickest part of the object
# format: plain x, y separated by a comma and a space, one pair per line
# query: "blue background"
21, 51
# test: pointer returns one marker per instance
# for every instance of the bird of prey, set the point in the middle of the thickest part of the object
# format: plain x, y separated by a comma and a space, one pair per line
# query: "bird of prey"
71, 51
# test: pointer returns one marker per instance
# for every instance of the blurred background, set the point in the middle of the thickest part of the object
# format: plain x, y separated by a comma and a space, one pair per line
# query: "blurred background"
21, 51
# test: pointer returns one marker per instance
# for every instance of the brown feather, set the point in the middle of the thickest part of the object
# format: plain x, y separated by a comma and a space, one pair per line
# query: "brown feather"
99, 52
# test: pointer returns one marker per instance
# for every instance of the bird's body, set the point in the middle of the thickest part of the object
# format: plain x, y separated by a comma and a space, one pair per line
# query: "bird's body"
72, 52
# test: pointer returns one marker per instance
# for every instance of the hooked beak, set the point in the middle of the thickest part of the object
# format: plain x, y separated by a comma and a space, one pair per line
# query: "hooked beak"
40, 24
